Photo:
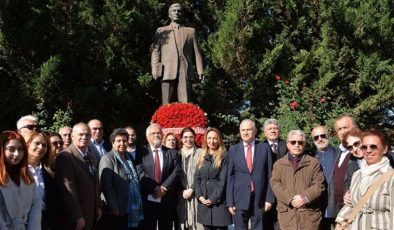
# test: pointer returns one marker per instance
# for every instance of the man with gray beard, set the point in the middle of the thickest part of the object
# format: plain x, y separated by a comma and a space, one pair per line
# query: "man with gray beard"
158, 168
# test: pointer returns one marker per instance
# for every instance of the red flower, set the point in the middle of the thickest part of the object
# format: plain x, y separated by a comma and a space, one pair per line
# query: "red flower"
322, 100
287, 82
277, 77
294, 105
181, 115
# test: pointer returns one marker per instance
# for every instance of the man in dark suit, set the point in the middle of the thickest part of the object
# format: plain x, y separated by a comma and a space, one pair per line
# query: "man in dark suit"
77, 182
174, 55
248, 193
97, 145
271, 129
158, 168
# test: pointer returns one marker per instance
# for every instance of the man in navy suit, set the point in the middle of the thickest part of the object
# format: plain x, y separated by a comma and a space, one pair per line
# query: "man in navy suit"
158, 168
248, 193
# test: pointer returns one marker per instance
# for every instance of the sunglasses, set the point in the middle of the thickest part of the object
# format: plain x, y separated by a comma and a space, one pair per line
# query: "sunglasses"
55, 143
296, 142
321, 136
31, 127
354, 145
371, 147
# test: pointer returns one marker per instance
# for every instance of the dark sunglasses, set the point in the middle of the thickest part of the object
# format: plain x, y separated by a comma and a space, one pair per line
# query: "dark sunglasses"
371, 147
296, 142
31, 127
57, 143
354, 145
321, 136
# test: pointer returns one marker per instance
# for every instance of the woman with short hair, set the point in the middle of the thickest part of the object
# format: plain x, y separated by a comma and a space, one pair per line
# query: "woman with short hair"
120, 185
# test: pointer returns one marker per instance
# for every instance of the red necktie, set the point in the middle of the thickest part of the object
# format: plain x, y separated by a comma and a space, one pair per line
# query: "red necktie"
157, 166
249, 162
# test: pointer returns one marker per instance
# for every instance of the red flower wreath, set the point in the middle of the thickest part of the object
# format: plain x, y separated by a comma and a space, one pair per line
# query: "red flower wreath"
174, 117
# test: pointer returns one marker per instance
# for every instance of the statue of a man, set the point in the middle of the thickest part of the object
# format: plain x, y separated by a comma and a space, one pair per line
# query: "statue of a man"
175, 57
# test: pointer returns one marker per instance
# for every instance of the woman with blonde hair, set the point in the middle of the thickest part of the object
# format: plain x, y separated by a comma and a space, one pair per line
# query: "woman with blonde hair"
19, 202
41, 166
210, 180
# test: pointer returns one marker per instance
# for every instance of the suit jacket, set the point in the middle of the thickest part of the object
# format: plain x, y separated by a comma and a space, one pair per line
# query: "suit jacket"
20, 206
282, 150
95, 152
165, 56
239, 177
329, 194
169, 174
78, 190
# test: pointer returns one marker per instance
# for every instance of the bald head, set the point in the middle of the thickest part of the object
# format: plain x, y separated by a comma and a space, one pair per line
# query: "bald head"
344, 124
320, 137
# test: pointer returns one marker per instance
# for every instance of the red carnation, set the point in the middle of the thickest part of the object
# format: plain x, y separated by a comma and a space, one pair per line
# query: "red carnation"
294, 105
277, 77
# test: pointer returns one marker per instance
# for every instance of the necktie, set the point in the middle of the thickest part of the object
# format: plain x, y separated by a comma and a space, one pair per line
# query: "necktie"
274, 148
157, 166
249, 162
88, 162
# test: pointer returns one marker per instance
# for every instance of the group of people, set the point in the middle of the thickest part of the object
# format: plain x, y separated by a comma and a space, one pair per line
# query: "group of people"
75, 179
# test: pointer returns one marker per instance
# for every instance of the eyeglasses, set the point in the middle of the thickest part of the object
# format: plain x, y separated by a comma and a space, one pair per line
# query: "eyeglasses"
354, 145
31, 127
371, 147
55, 143
321, 136
296, 142
13, 149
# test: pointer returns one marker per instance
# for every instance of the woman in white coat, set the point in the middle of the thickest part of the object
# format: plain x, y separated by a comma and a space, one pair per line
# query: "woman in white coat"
20, 206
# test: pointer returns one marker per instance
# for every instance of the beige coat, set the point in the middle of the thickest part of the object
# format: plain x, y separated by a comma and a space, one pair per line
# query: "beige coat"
308, 180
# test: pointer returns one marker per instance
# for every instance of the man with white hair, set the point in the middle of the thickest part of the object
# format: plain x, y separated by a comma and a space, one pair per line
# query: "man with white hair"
26, 125
65, 133
158, 168
298, 183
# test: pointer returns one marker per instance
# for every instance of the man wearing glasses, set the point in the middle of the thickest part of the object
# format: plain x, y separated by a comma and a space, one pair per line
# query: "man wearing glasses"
327, 155
27, 124
342, 125
298, 183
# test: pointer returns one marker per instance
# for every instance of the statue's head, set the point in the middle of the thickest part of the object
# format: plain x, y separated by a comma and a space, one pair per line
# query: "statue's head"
175, 12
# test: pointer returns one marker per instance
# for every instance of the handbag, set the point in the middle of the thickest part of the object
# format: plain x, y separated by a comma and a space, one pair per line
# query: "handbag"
364, 199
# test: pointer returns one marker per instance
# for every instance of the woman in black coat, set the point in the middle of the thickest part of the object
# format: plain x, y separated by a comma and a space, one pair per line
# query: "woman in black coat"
210, 183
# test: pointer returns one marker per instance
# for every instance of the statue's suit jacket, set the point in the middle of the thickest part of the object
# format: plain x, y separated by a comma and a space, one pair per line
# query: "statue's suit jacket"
79, 191
165, 59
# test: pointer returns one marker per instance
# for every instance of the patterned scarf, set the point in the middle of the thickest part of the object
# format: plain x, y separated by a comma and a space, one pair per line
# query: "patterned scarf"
134, 204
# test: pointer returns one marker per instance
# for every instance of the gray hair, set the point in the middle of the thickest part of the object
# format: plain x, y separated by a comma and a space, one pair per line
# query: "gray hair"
19, 123
271, 121
296, 132
150, 126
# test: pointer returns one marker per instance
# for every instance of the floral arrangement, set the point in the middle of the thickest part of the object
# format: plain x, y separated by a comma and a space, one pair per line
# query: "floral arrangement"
174, 117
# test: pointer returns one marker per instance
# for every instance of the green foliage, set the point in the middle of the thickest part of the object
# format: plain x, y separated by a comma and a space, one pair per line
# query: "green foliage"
333, 57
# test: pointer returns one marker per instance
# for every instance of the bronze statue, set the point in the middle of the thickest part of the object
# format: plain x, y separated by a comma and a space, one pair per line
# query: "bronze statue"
175, 53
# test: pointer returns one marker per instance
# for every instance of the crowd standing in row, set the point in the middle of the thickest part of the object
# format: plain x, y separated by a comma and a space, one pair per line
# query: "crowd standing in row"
76, 180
